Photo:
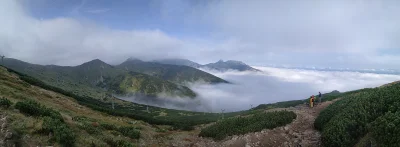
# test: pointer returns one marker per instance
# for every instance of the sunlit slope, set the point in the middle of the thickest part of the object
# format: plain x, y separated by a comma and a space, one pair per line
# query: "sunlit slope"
136, 83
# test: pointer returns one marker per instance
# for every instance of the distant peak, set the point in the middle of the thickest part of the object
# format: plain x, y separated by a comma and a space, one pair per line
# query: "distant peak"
95, 61
236, 62
220, 61
134, 59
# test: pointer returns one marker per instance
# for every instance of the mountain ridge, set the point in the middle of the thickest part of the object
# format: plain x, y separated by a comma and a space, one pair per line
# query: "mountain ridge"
220, 65
94, 77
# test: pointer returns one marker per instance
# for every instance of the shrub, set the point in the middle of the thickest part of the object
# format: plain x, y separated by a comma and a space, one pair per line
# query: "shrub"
369, 110
385, 129
117, 143
131, 132
62, 133
108, 126
31, 107
5, 102
243, 125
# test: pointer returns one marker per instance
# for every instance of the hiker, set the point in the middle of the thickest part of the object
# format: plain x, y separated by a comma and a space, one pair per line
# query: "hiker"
319, 97
312, 101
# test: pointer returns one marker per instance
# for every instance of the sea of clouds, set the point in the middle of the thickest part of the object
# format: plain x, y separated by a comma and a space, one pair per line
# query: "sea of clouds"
250, 89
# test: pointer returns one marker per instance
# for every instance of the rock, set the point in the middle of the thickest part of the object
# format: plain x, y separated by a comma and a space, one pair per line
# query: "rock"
286, 128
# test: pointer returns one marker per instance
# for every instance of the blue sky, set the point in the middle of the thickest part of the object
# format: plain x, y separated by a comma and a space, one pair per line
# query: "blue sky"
344, 34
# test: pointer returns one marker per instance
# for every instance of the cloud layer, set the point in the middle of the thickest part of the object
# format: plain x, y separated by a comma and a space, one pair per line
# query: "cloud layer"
274, 85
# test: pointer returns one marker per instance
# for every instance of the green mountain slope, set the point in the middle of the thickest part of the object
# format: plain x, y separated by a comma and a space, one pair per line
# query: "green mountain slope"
93, 79
137, 83
174, 73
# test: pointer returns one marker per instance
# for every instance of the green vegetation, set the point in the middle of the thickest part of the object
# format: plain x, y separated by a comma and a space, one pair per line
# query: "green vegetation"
386, 129
31, 107
131, 132
93, 127
146, 85
52, 121
361, 112
4, 102
62, 133
178, 119
95, 77
284, 104
173, 73
118, 143
252, 123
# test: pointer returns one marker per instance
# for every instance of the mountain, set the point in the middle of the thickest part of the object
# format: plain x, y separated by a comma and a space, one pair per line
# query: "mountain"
174, 73
184, 62
94, 78
229, 65
219, 66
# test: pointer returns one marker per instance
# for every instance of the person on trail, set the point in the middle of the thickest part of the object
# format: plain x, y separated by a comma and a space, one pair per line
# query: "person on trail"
312, 101
319, 97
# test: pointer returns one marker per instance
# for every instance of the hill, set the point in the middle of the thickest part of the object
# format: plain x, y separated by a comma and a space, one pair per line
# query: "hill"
174, 73
94, 78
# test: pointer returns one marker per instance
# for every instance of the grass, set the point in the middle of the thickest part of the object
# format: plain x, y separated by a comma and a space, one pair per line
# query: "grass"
21, 124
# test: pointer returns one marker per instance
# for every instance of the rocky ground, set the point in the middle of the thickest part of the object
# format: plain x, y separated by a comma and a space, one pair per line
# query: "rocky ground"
5, 133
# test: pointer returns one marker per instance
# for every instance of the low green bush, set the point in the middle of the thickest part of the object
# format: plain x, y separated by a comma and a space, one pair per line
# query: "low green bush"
4, 102
243, 125
118, 143
374, 110
32, 107
131, 132
62, 133
385, 129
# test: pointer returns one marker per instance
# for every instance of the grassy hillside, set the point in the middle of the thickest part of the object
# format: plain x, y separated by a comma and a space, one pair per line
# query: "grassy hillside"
146, 85
178, 119
38, 117
365, 117
173, 73
93, 78
44, 115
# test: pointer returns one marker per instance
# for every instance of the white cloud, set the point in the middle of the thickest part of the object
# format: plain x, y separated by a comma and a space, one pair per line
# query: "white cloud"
277, 84
273, 85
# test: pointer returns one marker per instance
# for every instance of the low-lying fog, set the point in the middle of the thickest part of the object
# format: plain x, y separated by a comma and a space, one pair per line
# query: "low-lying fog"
273, 85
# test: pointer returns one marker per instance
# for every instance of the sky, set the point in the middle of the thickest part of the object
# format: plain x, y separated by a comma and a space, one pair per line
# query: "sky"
321, 33
270, 86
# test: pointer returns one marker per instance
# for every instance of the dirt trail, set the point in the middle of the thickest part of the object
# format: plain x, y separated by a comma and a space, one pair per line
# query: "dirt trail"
299, 133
